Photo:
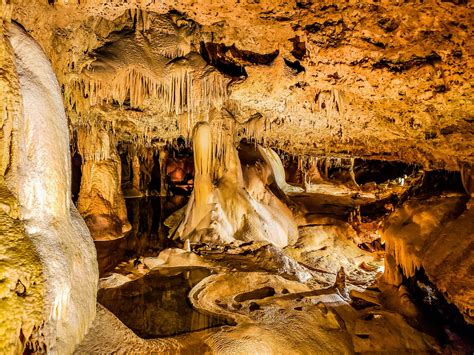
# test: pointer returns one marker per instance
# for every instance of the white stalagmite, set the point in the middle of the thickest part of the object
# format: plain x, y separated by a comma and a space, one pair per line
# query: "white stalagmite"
43, 186
239, 204
202, 144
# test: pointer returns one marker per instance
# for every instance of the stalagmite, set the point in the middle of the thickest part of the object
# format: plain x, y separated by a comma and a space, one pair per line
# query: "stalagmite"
43, 187
136, 173
240, 206
163, 157
101, 201
202, 148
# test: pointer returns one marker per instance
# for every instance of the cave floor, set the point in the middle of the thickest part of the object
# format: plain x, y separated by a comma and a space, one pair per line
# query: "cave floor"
268, 303
267, 312
320, 295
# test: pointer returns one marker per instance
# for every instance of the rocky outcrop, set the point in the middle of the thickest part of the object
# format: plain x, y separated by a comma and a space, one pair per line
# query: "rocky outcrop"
437, 236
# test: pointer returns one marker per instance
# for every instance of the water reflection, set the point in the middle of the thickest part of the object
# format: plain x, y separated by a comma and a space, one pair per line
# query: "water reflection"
156, 305
148, 235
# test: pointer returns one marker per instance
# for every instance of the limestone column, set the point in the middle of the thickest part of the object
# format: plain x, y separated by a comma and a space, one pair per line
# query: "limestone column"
163, 155
23, 272
101, 200
352, 173
136, 172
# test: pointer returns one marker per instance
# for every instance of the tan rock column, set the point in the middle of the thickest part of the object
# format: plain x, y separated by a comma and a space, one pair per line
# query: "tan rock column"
163, 160
136, 173
101, 200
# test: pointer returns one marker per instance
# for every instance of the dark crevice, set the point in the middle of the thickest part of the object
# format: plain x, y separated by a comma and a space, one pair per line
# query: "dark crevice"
299, 48
213, 55
380, 171
456, 2
328, 33
398, 66
438, 182
374, 42
387, 24
257, 294
296, 65
440, 318
230, 60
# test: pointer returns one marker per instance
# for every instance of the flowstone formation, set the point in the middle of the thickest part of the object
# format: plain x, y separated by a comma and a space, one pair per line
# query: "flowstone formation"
57, 290
240, 205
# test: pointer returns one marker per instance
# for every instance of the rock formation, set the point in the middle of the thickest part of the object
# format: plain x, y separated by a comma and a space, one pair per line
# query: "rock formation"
232, 202
310, 161
60, 308
101, 201
362, 79
436, 236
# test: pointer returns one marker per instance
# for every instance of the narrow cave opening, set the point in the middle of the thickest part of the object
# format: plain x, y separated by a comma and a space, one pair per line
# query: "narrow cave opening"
442, 319
380, 171
76, 175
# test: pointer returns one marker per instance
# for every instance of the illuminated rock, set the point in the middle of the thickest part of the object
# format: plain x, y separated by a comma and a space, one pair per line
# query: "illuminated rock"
42, 184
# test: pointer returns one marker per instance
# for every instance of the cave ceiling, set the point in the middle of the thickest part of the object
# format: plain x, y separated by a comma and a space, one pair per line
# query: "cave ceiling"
389, 80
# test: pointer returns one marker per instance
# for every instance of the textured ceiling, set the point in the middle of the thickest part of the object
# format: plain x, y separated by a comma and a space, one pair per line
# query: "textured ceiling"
386, 79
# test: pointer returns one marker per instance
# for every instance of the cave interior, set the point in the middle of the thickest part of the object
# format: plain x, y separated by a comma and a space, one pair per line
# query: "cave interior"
236, 177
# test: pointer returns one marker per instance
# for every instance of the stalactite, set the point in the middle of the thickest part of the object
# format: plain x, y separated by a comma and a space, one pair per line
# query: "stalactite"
330, 103
408, 261
254, 129
180, 92
94, 143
